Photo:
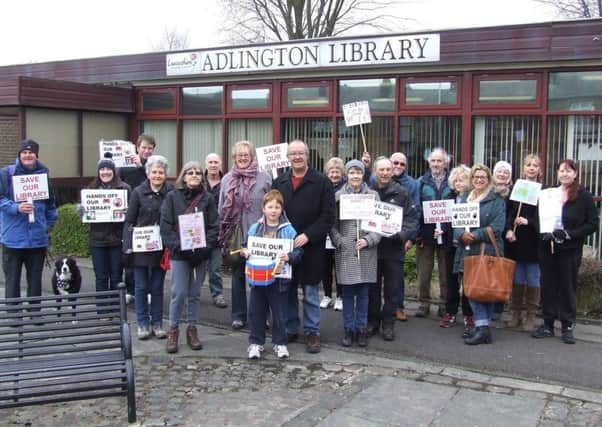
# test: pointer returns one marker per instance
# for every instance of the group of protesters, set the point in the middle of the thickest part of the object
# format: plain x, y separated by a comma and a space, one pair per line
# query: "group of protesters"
303, 205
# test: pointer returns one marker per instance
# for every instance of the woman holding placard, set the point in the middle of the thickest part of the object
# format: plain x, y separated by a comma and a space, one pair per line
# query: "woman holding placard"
145, 211
188, 259
561, 249
521, 240
492, 213
356, 256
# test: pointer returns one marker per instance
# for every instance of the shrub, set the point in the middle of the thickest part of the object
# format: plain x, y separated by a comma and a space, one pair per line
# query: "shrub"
69, 236
410, 273
589, 287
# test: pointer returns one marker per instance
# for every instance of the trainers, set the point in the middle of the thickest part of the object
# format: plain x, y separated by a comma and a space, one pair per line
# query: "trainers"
401, 315
338, 304
281, 351
567, 335
447, 321
423, 311
255, 351
543, 332
129, 299
158, 331
238, 324
326, 302
143, 333
219, 301
468, 327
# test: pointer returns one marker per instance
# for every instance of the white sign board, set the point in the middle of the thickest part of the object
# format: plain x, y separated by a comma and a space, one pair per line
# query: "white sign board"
146, 239
30, 187
526, 192
271, 248
437, 211
192, 231
387, 220
104, 205
465, 215
124, 152
356, 206
357, 113
550, 210
272, 157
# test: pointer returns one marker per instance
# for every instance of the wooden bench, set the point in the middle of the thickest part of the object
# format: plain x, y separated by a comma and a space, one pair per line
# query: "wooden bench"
63, 350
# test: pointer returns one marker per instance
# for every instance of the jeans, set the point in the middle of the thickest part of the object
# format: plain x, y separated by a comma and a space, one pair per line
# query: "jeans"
311, 310
263, 300
214, 271
355, 306
388, 272
239, 293
107, 266
12, 263
149, 280
186, 282
482, 312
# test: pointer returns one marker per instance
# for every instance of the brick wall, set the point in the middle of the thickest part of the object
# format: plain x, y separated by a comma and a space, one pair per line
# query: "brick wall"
9, 139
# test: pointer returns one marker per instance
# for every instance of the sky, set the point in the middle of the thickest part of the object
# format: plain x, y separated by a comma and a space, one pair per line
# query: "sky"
40, 31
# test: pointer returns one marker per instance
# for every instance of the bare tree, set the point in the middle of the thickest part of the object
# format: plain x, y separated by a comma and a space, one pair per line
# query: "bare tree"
270, 20
171, 39
577, 8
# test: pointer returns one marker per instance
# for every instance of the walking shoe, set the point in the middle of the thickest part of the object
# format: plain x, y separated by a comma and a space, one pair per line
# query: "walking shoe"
447, 321
388, 334
192, 338
173, 336
423, 311
543, 332
158, 331
238, 324
292, 338
468, 327
482, 335
401, 315
143, 332
347, 340
567, 335
338, 304
312, 343
255, 351
362, 337
219, 301
373, 328
326, 302
281, 351
129, 299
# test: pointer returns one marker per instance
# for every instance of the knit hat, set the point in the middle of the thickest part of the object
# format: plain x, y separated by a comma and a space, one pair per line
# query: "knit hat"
502, 165
354, 164
106, 162
31, 145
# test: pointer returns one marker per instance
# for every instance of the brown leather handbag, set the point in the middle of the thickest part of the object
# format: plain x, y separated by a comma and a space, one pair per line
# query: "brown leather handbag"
488, 278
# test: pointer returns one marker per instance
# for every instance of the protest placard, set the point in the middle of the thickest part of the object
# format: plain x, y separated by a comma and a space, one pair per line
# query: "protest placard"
192, 231
271, 248
526, 192
272, 158
465, 215
437, 212
356, 206
550, 210
146, 239
387, 219
356, 113
30, 187
104, 205
124, 152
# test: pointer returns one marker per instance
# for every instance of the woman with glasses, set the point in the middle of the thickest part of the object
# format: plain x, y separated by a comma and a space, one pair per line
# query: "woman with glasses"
187, 266
240, 203
492, 213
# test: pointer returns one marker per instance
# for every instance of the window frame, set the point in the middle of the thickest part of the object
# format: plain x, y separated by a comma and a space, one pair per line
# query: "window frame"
404, 108
146, 114
183, 116
234, 111
306, 84
500, 106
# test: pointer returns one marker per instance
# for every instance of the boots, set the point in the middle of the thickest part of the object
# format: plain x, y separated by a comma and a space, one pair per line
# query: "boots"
532, 300
388, 334
192, 338
347, 338
172, 340
482, 335
516, 305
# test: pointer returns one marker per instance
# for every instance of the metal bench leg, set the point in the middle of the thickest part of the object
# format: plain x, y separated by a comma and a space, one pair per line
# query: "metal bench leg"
129, 366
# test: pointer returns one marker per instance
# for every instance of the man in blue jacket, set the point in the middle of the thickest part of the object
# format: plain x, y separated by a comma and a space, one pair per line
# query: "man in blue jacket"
25, 242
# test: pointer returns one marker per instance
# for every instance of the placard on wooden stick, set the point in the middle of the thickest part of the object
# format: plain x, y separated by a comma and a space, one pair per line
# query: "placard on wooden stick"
356, 114
272, 157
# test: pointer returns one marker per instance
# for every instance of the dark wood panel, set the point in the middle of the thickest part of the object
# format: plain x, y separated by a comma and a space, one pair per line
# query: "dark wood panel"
516, 45
9, 93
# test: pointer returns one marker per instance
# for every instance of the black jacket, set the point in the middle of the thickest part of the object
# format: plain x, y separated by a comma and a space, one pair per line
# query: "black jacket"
133, 176
105, 234
523, 249
310, 209
175, 204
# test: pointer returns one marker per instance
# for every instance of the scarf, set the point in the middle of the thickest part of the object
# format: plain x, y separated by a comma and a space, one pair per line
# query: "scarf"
233, 205
472, 197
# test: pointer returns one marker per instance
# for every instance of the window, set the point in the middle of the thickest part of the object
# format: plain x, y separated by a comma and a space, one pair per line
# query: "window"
258, 131
507, 91
158, 101
379, 139
306, 97
202, 100
575, 91
316, 133
199, 138
250, 99
431, 93
164, 132
380, 93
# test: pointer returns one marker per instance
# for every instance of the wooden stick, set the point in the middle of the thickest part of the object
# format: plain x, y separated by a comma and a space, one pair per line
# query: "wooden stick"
235, 251
357, 228
520, 205
439, 237
467, 229
276, 267
363, 137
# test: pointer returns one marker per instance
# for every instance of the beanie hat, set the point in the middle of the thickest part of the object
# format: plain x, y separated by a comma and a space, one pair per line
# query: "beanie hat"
31, 145
354, 164
106, 162
503, 165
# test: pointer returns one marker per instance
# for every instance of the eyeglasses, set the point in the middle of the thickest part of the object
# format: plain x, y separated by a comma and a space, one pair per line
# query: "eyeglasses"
397, 163
297, 154
243, 155
479, 178
198, 173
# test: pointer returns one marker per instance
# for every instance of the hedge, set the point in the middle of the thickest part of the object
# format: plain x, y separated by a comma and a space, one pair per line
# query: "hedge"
69, 236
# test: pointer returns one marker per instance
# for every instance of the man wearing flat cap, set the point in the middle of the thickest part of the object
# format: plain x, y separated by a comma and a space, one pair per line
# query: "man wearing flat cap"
25, 236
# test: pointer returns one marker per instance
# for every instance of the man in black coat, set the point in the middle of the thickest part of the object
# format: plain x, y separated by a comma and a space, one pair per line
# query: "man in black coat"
309, 205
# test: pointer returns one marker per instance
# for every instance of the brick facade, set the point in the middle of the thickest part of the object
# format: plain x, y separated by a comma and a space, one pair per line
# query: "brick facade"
10, 135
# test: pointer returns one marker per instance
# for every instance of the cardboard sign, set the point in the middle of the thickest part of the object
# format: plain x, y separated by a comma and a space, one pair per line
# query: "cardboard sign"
357, 113
437, 211
104, 205
271, 248
550, 210
272, 157
465, 215
30, 187
192, 231
387, 220
124, 152
146, 239
526, 192
356, 206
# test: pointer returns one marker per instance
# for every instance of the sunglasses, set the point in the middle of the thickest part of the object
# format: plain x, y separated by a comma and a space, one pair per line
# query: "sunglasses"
396, 163
199, 173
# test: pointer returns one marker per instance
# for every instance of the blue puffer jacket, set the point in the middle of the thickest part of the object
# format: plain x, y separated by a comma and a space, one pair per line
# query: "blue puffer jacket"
17, 231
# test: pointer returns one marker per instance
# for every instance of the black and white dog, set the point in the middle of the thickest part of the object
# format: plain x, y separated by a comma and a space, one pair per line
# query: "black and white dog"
67, 278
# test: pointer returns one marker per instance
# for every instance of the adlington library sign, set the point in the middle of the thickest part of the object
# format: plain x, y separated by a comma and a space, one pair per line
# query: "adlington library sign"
331, 53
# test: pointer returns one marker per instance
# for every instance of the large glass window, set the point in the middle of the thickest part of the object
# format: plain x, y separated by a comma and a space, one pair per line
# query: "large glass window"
258, 131
316, 133
379, 139
575, 91
250, 99
419, 135
199, 138
164, 132
380, 93
507, 91
158, 101
307, 97
431, 93
205, 100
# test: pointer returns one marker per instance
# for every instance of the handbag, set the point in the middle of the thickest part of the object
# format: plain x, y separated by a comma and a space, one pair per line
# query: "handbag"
165, 265
488, 278
232, 242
